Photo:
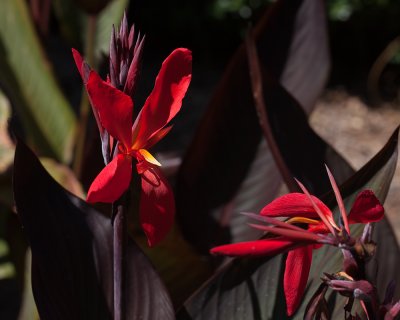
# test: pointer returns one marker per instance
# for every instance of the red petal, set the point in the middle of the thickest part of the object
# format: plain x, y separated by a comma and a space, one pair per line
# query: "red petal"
115, 108
293, 205
166, 98
78, 60
158, 136
318, 228
112, 181
297, 269
157, 206
366, 208
83, 68
258, 248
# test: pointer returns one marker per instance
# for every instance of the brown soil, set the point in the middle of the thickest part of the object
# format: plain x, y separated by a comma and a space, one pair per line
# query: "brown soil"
358, 132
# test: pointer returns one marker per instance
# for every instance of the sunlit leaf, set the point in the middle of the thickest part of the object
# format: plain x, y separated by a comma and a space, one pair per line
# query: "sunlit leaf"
64, 176
6, 145
30, 85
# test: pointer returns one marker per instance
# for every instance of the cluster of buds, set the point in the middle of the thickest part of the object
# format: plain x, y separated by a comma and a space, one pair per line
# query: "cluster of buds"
126, 50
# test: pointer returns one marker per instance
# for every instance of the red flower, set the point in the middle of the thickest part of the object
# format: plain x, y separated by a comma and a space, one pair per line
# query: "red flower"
114, 110
306, 209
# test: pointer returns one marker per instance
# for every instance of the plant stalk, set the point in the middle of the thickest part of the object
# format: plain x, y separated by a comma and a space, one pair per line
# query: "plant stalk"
257, 89
119, 238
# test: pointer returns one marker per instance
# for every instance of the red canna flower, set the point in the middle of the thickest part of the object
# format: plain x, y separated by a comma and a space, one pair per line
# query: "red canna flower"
321, 229
113, 110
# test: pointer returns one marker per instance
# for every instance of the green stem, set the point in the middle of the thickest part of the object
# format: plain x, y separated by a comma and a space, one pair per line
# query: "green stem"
81, 131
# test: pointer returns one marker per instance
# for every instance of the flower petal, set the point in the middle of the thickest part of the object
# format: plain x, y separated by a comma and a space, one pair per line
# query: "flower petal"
366, 208
258, 248
166, 98
318, 228
78, 60
83, 68
293, 205
158, 136
112, 181
149, 157
115, 108
157, 206
298, 263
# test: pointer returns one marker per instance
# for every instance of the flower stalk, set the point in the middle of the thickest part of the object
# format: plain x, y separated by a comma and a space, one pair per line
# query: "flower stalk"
119, 263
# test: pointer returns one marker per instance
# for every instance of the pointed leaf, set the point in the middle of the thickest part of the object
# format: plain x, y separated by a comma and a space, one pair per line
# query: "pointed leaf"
72, 269
238, 285
46, 115
209, 196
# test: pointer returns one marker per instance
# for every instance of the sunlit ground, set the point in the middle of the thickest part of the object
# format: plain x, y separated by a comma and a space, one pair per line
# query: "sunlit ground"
358, 132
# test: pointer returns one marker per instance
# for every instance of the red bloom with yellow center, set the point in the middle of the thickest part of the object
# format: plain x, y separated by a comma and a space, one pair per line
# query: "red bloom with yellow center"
321, 229
114, 112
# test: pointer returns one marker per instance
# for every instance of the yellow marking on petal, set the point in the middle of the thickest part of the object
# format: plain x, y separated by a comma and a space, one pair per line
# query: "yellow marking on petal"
345, 275
302, 220
149, 157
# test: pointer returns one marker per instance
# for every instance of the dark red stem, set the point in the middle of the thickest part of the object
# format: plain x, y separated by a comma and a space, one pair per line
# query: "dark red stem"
119, 262
257, 88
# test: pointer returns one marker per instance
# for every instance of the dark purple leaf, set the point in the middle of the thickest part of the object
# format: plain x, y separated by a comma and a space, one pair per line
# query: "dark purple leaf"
317, 303
250, 289
228, 167
72, 269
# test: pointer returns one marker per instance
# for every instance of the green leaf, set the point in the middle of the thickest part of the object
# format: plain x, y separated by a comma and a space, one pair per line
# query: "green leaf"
73, 20
109, 16
29, 83
6, 145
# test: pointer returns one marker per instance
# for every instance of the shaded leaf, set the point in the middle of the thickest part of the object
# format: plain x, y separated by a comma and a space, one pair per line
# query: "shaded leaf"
71, 243
228, 167
244, 289
64, 176
73, 20
30, 85
228, 294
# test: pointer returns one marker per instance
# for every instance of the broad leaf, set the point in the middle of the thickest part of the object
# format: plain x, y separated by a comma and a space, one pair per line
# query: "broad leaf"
297, 150
71, 243
235, 292
31, 87
228, 167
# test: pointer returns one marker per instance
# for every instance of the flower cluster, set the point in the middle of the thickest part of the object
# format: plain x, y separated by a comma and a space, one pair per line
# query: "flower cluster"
126, 140
311, 224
